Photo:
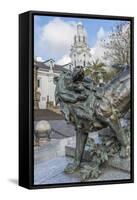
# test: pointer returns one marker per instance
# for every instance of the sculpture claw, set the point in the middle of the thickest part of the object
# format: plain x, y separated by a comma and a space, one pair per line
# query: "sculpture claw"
71, 168
90, 172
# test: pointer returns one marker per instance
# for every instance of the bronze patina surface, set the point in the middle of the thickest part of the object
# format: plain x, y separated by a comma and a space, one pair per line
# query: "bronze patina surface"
90, 108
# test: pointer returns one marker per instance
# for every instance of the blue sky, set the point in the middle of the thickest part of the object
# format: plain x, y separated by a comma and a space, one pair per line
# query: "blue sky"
51, 34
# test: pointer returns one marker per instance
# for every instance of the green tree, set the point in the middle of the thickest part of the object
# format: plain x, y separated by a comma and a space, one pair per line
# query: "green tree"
96, 71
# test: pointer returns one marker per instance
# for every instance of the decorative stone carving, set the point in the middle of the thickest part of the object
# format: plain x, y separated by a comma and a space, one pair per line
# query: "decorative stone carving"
42, 129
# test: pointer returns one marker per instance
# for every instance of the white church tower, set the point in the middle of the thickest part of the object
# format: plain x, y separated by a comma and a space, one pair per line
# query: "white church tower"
80, 52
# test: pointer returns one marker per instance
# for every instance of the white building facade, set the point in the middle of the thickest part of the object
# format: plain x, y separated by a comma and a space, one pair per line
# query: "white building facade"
46, 71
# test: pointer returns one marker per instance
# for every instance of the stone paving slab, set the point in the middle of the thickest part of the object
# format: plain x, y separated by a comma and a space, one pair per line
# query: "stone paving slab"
50, 149
52, 171
50, 161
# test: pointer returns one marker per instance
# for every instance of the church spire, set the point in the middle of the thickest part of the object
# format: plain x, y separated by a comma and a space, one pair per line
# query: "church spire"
80, 37
80, 53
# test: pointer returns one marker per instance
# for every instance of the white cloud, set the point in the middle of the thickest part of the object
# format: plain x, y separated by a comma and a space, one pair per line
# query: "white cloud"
97, 51
101, 33
64, 60
39, 59
57, 37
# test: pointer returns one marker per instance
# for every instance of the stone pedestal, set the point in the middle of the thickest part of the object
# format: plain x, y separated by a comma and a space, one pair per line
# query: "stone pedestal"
114, 162
119, 163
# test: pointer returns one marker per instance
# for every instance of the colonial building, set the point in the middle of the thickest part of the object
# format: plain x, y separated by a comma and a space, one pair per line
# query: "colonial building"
80, 52
44, 72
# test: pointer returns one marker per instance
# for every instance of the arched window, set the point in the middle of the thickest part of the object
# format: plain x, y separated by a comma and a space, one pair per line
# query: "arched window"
38, 82
79, 38
75, 39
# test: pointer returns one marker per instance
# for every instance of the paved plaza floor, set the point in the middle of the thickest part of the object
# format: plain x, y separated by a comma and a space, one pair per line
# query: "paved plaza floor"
50, 161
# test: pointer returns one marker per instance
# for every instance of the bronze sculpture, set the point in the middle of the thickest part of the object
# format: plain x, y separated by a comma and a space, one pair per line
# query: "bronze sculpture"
91, 108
